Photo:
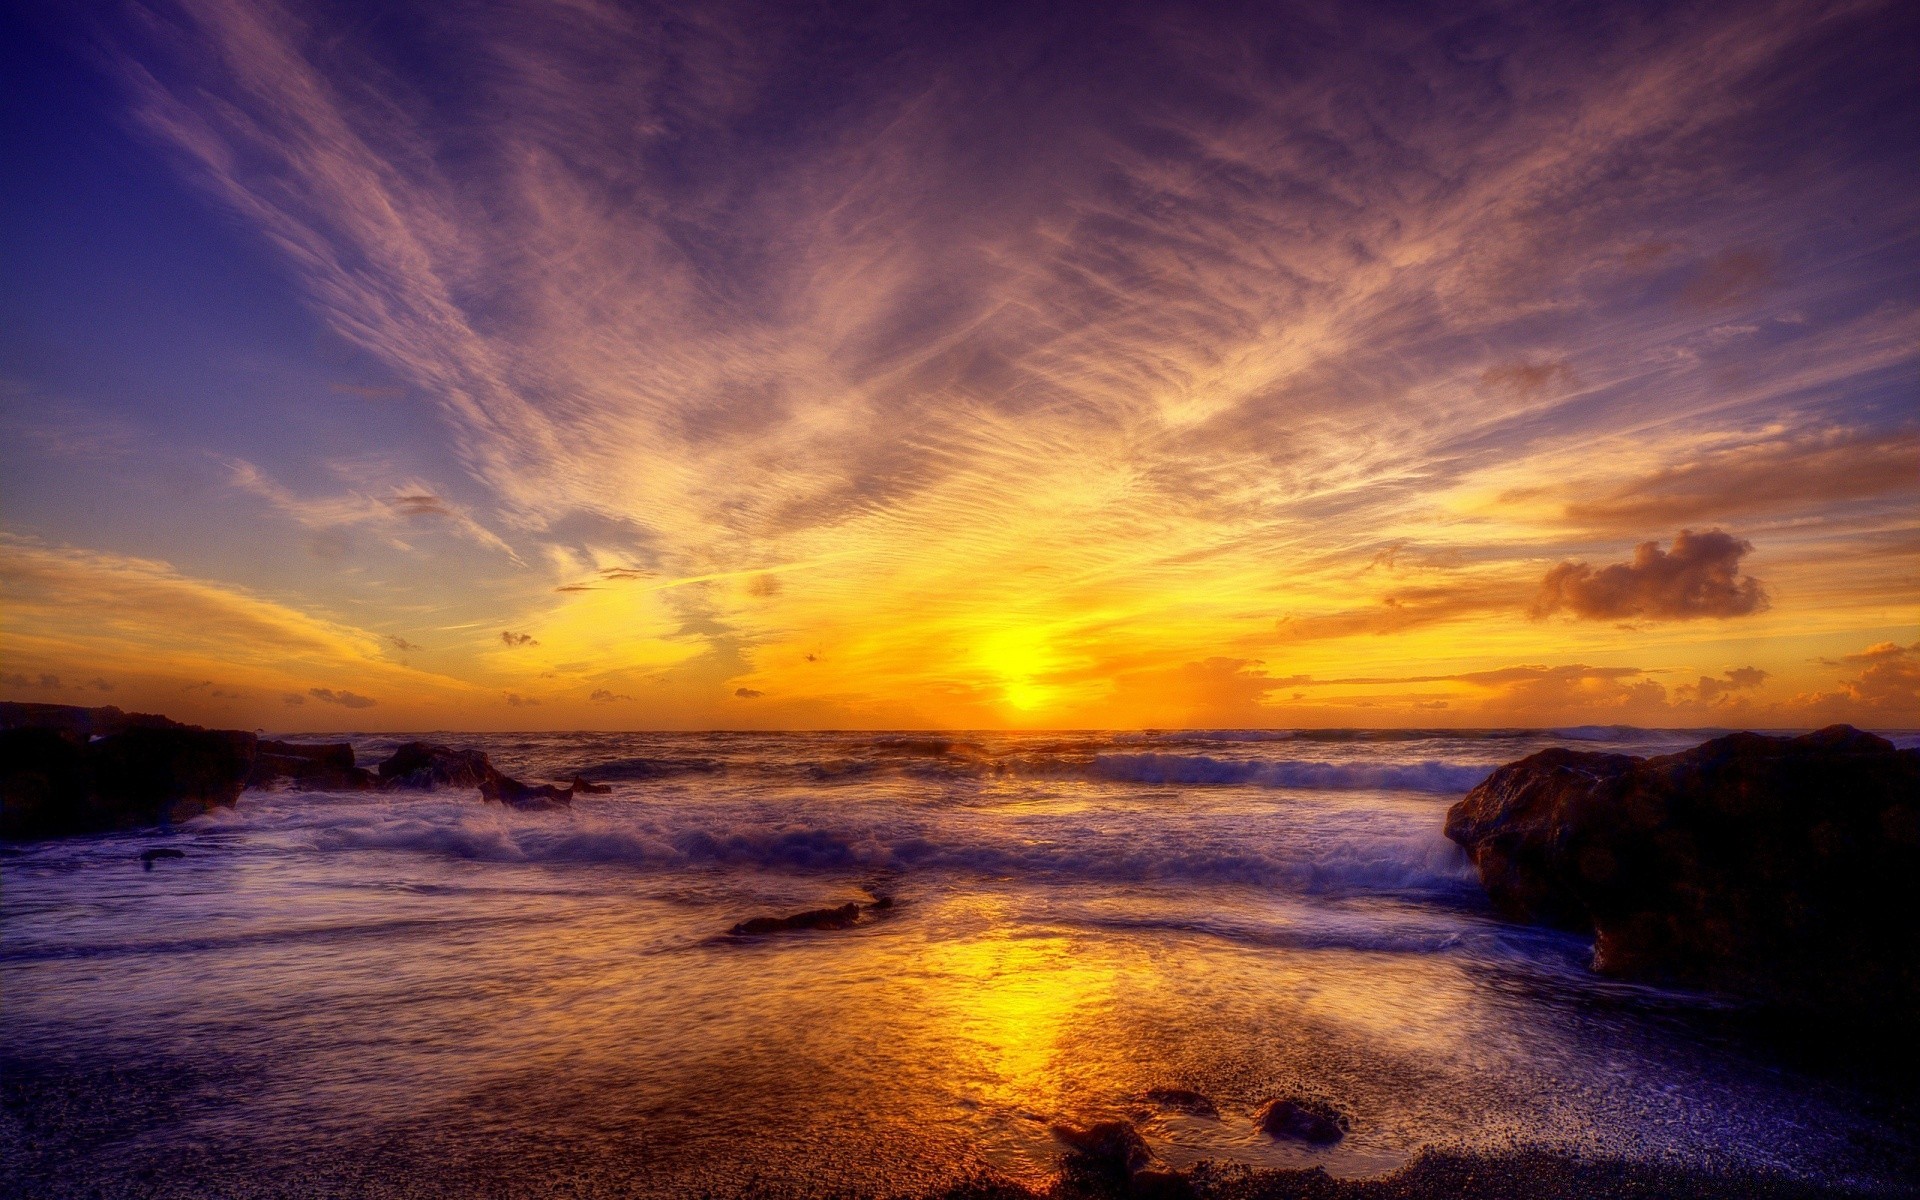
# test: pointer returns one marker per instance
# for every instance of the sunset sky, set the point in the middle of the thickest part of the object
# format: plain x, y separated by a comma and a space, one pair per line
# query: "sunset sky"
593, 365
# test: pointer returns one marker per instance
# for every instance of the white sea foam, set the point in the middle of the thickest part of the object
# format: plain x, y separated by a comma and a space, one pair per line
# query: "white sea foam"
1441, 777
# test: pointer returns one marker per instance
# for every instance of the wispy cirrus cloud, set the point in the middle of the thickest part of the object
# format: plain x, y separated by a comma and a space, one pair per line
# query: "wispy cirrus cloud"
942, 342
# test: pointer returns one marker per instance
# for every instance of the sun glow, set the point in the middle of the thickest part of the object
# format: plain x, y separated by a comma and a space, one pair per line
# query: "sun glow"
1020, 659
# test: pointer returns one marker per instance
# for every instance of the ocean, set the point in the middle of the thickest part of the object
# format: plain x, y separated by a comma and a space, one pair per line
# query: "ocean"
401, 994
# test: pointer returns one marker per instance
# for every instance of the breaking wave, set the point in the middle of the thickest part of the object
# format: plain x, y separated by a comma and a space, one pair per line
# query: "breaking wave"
1319, 853
1439, 777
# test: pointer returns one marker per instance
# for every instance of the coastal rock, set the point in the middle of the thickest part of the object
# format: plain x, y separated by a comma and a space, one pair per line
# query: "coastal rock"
1306, 1119
425, 766
78, 722
530, 797
584, 788
1182, 1100
67, 771
1107, 1146
818, 918
1785, 869
320, 768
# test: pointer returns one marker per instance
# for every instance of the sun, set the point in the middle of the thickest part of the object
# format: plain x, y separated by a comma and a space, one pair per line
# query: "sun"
1019, 658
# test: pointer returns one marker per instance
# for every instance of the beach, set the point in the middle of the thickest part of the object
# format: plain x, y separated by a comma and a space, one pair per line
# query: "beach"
411, 994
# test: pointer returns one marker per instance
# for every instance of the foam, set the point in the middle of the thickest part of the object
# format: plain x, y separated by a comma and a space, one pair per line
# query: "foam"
1438, 777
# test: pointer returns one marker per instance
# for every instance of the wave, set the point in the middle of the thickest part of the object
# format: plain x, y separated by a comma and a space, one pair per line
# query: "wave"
1334, 854
634, 769
1439, 777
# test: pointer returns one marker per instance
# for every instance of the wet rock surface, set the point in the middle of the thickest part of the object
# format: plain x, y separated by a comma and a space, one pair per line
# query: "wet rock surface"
66, 771
844, 917
1182, 1100
1783, 869
326, 768
1305, 1119
425, 766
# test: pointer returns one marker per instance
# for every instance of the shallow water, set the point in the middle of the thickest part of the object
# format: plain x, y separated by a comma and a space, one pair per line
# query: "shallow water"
363, 994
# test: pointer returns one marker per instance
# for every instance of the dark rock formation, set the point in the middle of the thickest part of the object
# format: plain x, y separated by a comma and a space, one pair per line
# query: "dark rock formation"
511, 792
324, 768
82, 723
1785, 869
818, 918
424, 766
1113, 1146
1182, 1100
844, 917
1306, 1119
76, 770
582, 787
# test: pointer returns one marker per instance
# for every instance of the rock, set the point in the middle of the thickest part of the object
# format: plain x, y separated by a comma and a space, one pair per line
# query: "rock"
1106, 1147
819, 918
1182, 1100
81, 723
584, 788
1784, 869
67, 771
511, 792
147, 857
1309, 1120
322, 768
424, 766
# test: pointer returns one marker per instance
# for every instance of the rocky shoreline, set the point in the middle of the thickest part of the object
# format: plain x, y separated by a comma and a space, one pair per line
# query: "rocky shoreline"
67, 771
1782, 870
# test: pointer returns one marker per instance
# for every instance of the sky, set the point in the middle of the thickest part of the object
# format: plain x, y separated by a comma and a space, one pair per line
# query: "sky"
578, 364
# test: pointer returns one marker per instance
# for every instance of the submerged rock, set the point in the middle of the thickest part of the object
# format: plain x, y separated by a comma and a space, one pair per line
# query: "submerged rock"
66, 770
149, 857
1182, 1100
1786, 869
818, 918
584, 788
1304, 1118
1107, 1146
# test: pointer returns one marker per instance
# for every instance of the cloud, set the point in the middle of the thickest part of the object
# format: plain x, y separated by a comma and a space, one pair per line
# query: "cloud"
1710, 690
1526, 379
343, 698
1888, 682
293, 699
1700, 577
365, 392
402, 644
369, 503
1730, 279
516, 700
603, 696
1807, 471
747, 693
1407, 608
516, 640
46, 682
1002, 338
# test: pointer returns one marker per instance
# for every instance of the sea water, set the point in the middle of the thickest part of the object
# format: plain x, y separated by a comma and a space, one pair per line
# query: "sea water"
399, 993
